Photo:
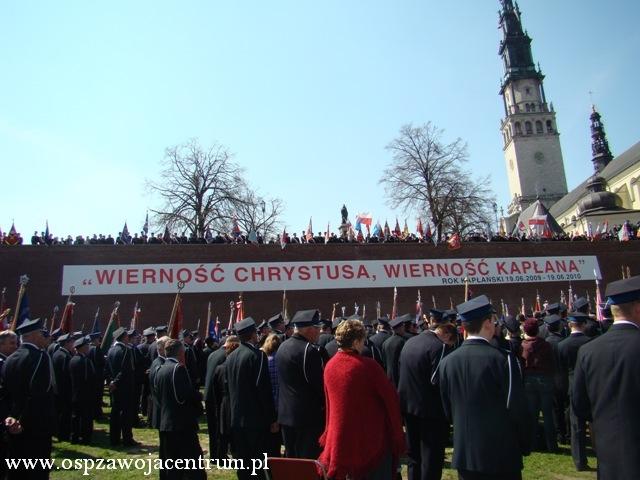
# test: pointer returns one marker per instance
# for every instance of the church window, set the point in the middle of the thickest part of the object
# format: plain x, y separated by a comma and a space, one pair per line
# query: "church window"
527, 91
518, 128
549, 126
528, 128
533, 107
528, 108
539, 127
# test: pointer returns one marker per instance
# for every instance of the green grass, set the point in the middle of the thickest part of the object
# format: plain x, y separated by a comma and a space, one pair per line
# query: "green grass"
538, 466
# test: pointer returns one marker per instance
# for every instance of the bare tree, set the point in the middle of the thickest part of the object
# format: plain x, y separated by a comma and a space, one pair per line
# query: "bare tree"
197, 186
426, 174
471, 211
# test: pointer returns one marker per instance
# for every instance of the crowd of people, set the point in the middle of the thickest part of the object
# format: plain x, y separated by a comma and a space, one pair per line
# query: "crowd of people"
355, 393
392, 236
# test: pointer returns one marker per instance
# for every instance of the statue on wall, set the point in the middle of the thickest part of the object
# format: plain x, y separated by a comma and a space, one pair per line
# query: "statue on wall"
345, 214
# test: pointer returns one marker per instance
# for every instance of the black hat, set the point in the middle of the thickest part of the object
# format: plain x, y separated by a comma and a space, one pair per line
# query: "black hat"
162, 328
277, 318
245, 325
77, 335
336, 322
81, 341
119, 333
451, 314
384, 320
94, 335
306, 318
326, 322
552, 319
29, 326
133, 332
577, 317
367, 322
184, 333
56, 333
195, 333
262, 325
511, 324
148, 331
64, 338
475, 308
553, 308
396, 322
437, 314
623, 291
581, 305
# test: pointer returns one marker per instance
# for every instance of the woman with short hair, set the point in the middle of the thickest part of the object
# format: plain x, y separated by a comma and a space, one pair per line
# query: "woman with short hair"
363, 437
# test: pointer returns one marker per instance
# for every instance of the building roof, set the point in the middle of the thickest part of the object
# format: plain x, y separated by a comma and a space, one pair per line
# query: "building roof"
619, 164
537, 209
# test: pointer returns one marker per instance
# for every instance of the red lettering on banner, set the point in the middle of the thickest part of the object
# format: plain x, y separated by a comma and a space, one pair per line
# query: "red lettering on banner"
427, 269
333, 272
318, 270
514, 268
573, 267
561, 266
257, 273
289, 271
274, 274
347, 272
148, 275
303, 273
362, 272
525, 267
414, 268
237, 274
105, 276
442, 269
536, 268
501, 270
166, 275
132, 275
392, 271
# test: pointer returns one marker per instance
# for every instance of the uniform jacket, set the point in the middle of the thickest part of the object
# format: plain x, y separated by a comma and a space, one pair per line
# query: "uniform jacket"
61, 359
483, 394
179, 401
154, 415
379, 338
28, 378
216, 358
301, 385
120, 363
82, 375
250, 395
391, 353
419, 387
568, 354
605, 391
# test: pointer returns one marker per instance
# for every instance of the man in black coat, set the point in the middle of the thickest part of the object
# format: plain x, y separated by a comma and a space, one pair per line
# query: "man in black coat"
154, 402
149, 335
191, 359
606, 384
120, 363
383, 334
426, 424
253, 413
211, 402
96, 355
28, 380
482, 393
139, 374
567, 356
326, 334
82, 393
301, 387
393, 346
8, 345
61, 359
560, 380
179, 410
153, 349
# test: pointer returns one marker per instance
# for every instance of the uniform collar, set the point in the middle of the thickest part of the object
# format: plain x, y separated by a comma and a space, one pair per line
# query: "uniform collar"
475, 338
171, 360
624, 322
31, 345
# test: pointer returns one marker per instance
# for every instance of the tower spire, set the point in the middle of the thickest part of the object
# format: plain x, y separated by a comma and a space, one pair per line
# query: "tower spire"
599, 144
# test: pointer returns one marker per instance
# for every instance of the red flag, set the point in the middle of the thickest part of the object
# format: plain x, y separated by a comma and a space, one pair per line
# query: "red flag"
428, 233
454, 242
66, 323
136, 315
177, 318
419, 229
396, 231
239, 309
309, 234
538, 305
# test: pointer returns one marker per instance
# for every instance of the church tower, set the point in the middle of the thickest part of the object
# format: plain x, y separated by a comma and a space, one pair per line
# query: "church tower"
599, 144
531, 140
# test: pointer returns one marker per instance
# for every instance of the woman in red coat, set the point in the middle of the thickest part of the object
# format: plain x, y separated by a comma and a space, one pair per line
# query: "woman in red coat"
363, 437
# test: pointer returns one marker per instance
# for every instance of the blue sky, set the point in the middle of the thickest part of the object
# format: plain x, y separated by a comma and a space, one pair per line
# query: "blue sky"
305, 94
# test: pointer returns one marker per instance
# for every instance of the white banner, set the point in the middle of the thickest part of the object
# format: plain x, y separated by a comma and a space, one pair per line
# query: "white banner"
251, 277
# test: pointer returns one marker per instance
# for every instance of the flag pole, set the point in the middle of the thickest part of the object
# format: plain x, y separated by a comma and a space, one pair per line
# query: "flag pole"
433, 300
114, 312
466, 289
175, 306
23, 285
53, 318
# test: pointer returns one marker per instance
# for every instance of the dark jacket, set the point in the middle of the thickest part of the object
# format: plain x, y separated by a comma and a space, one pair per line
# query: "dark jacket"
537, 357
250, 395
419, 387
27, 379
301, 384
179, 401
379, 338
61, 359
216, 358
120, 364
391, 354
483, 394
154, 413
82, 375
568, 354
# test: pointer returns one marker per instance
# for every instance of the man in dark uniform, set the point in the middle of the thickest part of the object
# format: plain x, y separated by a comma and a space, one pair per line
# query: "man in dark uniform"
8, 345
606, 384
160, 332
331, 347
482, 393
326, 334
276, 325
393, 346
179, 410
560, 381
301, 387
121, 369
82, 375
210, 401
96, 355
253, 413
149, 335
191, 360
139, 374
426, 424
54, 345
28, 380
61, 359
567, 356
592, 326
383, 334
154, 403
